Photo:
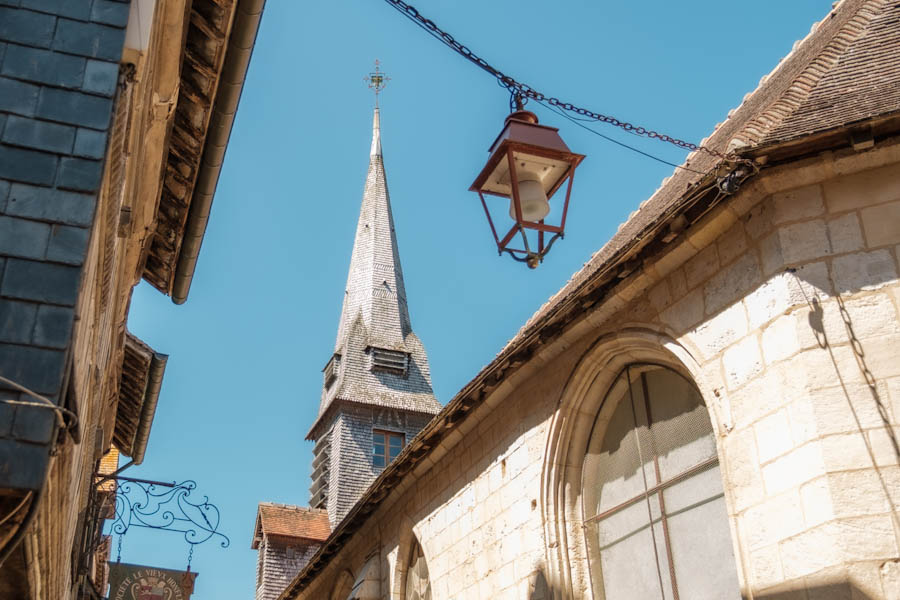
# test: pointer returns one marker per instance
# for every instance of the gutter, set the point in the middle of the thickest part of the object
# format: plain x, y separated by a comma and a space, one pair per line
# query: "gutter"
237, 60
148, 410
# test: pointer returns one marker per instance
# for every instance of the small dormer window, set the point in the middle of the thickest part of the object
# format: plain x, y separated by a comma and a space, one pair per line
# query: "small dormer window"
331, 370
391, 361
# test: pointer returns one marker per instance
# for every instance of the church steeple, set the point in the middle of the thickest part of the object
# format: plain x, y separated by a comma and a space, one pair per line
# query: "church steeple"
377, 382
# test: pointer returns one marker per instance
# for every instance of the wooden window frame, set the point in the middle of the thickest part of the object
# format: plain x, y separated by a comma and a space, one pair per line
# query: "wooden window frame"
385, 456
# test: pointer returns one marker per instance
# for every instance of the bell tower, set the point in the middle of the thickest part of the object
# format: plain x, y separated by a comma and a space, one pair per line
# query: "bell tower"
376, 388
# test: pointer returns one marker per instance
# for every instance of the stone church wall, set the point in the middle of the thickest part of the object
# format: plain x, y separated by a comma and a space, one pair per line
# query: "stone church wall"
783, 306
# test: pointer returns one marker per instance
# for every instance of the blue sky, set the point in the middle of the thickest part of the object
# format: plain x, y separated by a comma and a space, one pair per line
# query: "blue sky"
244, 376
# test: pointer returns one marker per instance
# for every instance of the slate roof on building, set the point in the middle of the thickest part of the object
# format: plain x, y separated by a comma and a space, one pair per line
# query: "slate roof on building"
286, 521
827, 73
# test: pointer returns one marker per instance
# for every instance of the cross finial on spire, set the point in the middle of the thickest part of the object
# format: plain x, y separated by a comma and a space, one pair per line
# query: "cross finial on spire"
377, 80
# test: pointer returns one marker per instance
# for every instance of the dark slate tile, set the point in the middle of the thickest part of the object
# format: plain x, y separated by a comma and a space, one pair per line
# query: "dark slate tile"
68, 244
22, 466
23, 238
53, 326
44, 66
89, 39
79, 174
110, 13
18, 164
18, 97
90, 143
74, 108
40, 135
47, 204
74, 9
16, 321
40, 281
101, 77
38, 369
26, 27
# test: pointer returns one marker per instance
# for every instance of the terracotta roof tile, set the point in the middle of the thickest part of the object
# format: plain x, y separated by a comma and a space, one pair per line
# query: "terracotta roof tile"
282, 520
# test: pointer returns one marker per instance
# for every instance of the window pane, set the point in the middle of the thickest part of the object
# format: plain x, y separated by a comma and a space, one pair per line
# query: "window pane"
378, 437
628, 560
682, 432
396, 441
378, 448
612, 466
378, 460
700, 538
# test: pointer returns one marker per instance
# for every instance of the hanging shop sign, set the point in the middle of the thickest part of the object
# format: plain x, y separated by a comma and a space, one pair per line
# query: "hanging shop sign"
140, 582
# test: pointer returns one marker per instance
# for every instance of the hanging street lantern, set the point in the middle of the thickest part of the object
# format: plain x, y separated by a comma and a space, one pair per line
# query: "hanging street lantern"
528, 164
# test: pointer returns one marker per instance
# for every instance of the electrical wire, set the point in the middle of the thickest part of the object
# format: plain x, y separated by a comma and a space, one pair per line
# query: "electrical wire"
43, 402
520, 91
579, 123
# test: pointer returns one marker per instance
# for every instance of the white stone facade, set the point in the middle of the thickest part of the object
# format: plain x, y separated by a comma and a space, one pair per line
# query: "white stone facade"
783, 306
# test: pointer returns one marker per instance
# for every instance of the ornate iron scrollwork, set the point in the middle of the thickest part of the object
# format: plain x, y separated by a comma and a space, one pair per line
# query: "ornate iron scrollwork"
167, 507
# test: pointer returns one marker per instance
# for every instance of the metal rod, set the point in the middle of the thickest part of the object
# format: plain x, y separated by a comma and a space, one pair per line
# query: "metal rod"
148, 481
490, 221
562, 223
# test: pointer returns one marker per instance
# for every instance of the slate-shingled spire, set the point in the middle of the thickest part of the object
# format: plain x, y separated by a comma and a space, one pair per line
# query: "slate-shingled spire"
378, 377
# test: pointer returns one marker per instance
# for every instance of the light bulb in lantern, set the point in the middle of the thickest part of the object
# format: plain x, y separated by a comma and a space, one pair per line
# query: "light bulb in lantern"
532, 199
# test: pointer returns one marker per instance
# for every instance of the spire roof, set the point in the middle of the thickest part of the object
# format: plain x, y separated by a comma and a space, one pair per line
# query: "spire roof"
375, 312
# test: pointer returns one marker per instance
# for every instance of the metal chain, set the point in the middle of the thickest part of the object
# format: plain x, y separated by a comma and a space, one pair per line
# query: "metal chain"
190, 557
521, 91
119, 549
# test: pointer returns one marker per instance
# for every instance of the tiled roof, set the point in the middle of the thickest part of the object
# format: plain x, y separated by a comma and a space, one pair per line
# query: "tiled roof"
286, 521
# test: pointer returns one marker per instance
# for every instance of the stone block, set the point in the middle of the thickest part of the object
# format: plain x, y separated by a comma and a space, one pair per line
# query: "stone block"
18, 97
742, 361
53, 326
38, 369
17, 164
685, 313
805, 241
22, 466
815, 496
779, 340
882, 224
770, 256
51, 205
845, 409
79, 174
26, 27
44, 282
717, 333
774, 519
43, 66
74, 9
844, 234
793, 469
803, 420
702, 266
74, 108
765, 564
866, 188
732, 282
89, 39
101, 77
773, 436
863, 271
110, 13
732, 244
16, 321
68, 244
23, 238
885, 445
810, 551
90, 143
39, 135
858, 493
659, 295
798, 204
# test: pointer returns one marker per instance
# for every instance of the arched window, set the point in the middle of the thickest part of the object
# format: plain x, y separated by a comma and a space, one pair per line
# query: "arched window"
418, 587
654, 509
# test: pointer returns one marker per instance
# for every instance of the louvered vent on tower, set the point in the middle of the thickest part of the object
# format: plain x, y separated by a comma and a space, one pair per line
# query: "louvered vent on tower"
331, 370
390, 361
318, 491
